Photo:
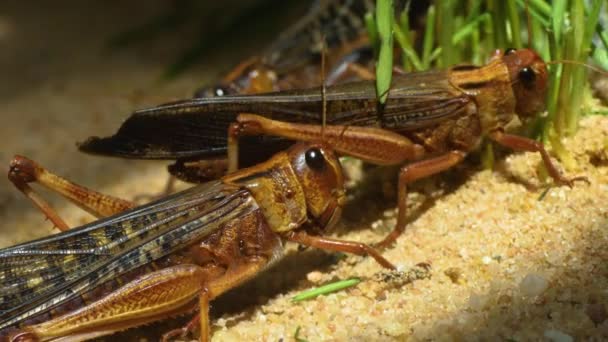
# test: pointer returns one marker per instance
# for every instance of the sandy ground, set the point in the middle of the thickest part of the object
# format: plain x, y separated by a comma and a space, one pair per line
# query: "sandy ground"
504, 264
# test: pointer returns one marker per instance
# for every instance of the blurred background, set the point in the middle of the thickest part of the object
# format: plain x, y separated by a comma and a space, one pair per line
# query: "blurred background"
71, 69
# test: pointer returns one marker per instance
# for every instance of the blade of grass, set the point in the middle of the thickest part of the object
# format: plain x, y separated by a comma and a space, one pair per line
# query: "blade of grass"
429, 37
540, 15
435, 54
445, 23
404, 30
469, 28
578, 74
406, 47
539, 5
372, 32
558, 15
384, 70
600, 56
296, 335
514, 22
475, 49
498, 20
325, 289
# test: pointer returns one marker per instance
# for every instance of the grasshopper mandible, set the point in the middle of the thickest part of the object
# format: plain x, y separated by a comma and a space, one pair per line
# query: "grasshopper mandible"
167, 257
433, 119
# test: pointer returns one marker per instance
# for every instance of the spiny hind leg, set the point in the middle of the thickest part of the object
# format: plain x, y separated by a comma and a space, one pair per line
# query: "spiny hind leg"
233, 277
151, 297
23, 171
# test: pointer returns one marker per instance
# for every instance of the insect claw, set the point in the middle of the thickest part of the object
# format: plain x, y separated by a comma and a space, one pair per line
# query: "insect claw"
183, 331
570, 181
170, 335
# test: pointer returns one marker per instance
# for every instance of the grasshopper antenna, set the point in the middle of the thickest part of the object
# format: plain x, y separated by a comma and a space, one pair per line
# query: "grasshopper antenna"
594, 68
529, 20
323, 89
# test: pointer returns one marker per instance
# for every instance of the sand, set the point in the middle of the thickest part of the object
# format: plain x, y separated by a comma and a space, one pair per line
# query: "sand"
503, 264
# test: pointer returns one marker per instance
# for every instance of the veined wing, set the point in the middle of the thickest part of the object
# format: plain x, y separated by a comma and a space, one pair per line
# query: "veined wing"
40, 275
339, 22
198, 127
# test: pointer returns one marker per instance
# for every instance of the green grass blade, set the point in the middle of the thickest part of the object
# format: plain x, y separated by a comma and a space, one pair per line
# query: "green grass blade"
469, 28
537, 14
558, 16
541, 6
406, 47
326, 289
296, 335
372, 32
429, 37
600, 56
404, 29
384, 69
592, 19
514, 23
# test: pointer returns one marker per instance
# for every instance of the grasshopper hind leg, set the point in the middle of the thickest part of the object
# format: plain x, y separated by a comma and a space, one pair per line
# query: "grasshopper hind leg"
23, 171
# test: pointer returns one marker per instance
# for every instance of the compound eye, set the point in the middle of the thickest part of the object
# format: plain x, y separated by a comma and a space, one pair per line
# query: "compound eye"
315, 159
220, 91
509, 51
527, 76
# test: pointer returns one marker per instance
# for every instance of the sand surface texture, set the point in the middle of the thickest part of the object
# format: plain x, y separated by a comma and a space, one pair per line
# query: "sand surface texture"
503, 264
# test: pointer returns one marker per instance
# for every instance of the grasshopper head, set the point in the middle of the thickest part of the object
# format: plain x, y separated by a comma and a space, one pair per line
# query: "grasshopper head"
528, 75
320, 174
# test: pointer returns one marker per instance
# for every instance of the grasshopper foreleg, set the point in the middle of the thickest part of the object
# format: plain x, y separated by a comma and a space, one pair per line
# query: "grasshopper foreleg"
336, 245
23, 171
519, 143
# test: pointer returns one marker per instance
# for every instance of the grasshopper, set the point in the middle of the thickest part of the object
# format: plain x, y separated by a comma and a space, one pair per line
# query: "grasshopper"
431, 119
290, 62
138, 265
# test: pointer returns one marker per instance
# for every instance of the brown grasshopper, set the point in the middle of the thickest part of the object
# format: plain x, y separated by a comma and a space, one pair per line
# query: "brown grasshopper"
433, 119
489, 101
174, 255
291, 60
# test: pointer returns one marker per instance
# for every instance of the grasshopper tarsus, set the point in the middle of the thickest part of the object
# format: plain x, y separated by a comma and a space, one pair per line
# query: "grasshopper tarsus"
584, 179
182, 332
23, 336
